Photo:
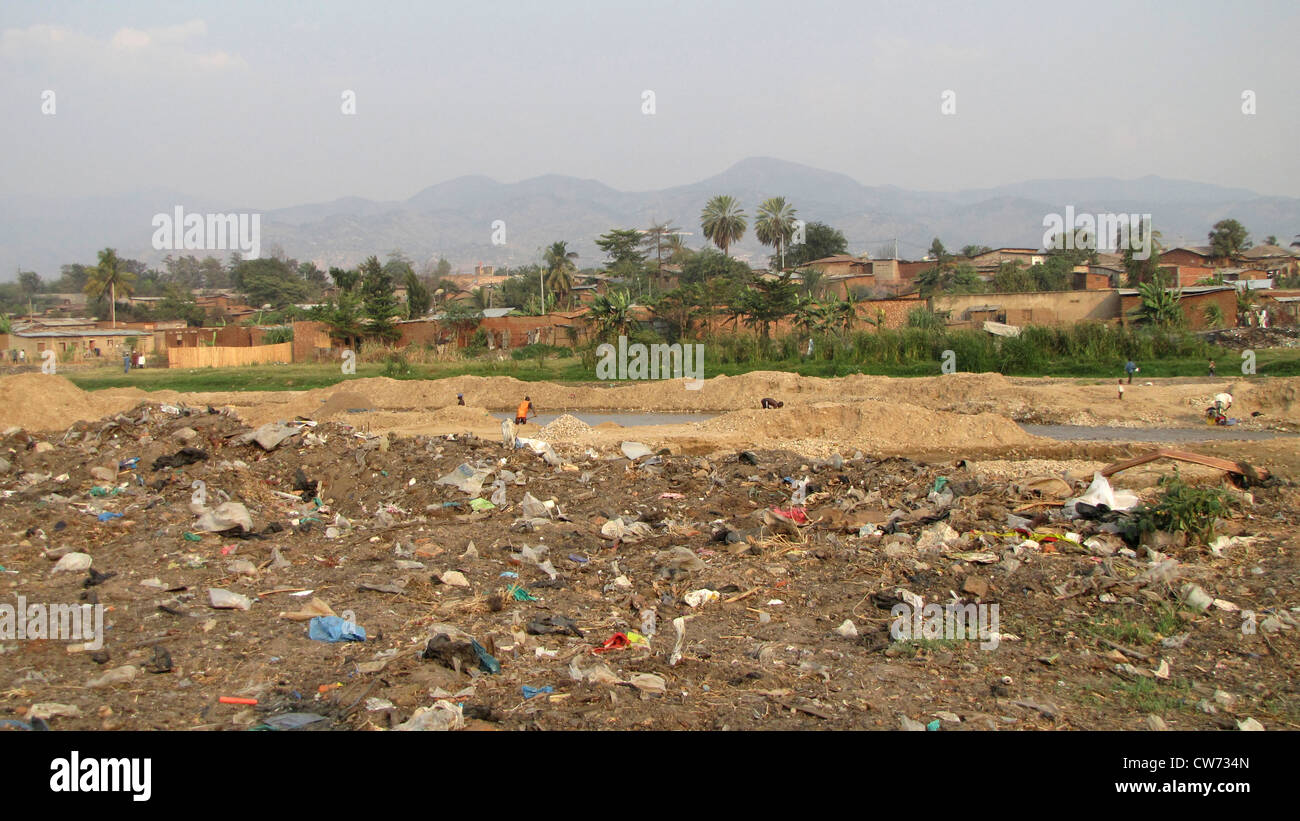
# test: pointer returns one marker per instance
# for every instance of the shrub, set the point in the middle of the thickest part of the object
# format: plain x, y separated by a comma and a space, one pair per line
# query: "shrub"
1181, 508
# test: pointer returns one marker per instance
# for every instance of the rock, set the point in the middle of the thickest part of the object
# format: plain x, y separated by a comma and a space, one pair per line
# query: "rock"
73, 563
848, 629
51, 709
185, 434
977, 586
4, 465
649, 683
454, 578
910, 725
1250, 725
242, 567
226, 600
118, 675
679, 558
102, 473
44, 447
1155, 722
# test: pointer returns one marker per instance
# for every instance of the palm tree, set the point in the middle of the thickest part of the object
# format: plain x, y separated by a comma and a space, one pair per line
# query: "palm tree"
108, 277
612, 312
481, 298
723, 221
657, 237
1160, 304
774, 224
814, 281
560, 268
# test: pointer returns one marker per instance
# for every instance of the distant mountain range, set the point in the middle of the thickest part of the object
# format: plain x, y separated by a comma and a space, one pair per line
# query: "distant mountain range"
455, 218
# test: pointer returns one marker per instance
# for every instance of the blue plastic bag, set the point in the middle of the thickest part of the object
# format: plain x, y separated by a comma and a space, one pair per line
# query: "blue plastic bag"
333, 628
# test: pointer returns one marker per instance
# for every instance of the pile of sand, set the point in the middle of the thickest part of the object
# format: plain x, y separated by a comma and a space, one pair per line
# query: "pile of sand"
41, 402
876, 426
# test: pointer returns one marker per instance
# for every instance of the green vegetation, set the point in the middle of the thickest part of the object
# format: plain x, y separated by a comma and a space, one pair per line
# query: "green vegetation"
1087, 350
1181, 507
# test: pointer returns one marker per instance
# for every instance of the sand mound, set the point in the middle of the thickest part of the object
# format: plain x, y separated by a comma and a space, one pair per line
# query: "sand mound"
880, 426
41, 402
340, 403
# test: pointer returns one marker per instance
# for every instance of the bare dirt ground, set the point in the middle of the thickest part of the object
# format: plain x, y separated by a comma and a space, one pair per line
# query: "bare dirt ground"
1095, 633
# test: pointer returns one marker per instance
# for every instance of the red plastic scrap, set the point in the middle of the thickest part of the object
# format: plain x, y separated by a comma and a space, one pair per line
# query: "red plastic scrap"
618, 641
798, 515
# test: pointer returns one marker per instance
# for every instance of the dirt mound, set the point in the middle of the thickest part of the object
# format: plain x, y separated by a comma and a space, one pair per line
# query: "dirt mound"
41, 402
880, 426
1277, 395
340, 403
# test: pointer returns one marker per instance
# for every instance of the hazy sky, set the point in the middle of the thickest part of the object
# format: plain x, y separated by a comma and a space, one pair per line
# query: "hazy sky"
239, 102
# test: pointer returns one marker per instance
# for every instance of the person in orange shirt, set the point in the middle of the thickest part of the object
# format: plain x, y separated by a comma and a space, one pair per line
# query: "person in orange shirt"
525, 409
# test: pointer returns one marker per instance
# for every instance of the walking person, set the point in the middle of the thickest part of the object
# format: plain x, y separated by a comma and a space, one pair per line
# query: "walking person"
1211, 368
1132, 368
1121, 389
126, 360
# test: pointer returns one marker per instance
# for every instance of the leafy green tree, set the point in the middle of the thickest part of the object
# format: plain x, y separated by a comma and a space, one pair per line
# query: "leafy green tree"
177, 303
29, 282
774, 225
1271, 239
313, 276
955, 279
418, 298
346, 280
343, 320
622, 245
1012, 278
768, 300
680, 308
270, 281
73, 278
1228, 238
109, 277
940, 254
1136, 270
970, 251
723, 222
1056, 273
820, 241
443, 269
377, 294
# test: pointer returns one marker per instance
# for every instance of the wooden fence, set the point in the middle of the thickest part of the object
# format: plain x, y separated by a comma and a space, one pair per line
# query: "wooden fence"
211, 357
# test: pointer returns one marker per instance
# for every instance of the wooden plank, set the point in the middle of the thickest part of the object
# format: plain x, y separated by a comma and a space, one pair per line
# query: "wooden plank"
1182, 456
